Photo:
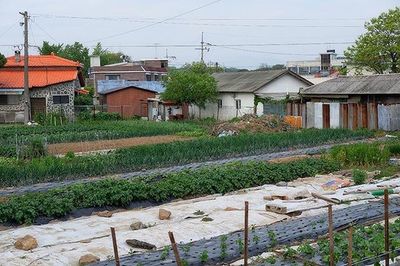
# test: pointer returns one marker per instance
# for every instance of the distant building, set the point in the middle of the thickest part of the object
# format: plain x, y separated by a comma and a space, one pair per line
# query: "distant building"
143, 70
324, 66
52, 84
238, 90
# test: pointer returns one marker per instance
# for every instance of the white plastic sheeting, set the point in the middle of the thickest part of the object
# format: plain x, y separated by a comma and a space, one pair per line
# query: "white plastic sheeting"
318, 120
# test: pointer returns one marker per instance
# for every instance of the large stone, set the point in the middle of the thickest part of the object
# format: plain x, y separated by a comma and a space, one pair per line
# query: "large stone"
164, 214
106, 214
87, 259
27, 242
136, 225
139, 244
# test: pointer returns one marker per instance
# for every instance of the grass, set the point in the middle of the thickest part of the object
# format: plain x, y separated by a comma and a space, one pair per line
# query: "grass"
120, 193
12, 137
14, 172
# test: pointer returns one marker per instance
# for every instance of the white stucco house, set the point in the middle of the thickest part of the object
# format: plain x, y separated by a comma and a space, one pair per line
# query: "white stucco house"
237, 91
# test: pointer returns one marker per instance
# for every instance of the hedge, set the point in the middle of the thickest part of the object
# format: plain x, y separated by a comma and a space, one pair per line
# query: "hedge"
120, 193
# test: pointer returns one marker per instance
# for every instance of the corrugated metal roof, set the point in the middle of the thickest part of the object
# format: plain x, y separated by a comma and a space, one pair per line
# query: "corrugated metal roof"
346, 85
106, 86
250, 81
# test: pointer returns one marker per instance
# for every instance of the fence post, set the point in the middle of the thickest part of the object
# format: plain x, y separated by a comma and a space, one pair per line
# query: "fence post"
246, 233
175, 249
350, 247
114, 240
330, 232
386, 206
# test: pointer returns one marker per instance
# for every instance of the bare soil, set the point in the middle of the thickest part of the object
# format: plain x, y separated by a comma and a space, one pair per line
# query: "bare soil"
98, 145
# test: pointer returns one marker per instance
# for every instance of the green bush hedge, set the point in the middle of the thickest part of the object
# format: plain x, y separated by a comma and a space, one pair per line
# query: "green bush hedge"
161, 155
120, 193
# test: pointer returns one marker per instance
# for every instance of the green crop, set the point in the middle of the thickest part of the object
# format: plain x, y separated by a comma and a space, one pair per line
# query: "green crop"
121, 192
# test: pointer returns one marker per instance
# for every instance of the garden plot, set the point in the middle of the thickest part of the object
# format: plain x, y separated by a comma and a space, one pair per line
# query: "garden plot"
107, 145
63, 243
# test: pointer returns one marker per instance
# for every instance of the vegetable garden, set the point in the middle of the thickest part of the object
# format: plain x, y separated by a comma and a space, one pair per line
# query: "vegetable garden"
17, 172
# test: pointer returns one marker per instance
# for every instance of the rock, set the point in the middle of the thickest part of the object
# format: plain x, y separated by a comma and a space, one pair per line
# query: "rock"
281, 184
106, 214
136, 225
139, 244
87, 259
164, 214
228, 209
27, 242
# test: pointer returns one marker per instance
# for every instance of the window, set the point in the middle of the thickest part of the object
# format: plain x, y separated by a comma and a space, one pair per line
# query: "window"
238, 104
60, 99
219, 102
164, 64
112, 77
148, 77
9, 99
156, 77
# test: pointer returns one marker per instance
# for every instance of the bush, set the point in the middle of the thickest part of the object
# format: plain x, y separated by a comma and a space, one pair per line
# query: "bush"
120, 192
363, 154
34, 149
394, 148
104, 116
359, 176
83, 99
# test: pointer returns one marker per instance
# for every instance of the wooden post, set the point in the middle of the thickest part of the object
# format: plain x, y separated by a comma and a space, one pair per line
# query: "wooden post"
350, 247
386, 204
330, 232
175, 249
246, 233
114, 240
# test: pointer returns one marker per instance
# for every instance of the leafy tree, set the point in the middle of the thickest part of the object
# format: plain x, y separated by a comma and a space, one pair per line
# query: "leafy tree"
193, 84
75, 52
378, 49
3, 60
107, 57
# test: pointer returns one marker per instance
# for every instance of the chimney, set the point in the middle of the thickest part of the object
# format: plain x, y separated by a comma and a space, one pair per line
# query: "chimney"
17, 56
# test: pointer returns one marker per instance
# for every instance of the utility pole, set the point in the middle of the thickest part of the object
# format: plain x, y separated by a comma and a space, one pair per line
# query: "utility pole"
27, 105
203, 47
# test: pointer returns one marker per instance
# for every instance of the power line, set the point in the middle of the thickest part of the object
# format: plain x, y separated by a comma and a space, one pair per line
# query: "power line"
257, 51
158, 22
8, 29
45, 32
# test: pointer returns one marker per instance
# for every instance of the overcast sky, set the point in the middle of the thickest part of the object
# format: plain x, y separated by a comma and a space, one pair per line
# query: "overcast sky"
117, 24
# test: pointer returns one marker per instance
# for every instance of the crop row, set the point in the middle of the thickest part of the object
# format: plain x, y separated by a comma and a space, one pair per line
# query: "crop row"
14, 136
14, 172
120, 193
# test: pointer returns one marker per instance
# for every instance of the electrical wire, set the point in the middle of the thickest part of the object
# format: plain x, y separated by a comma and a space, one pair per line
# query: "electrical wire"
8, 29
156, 23
44, 31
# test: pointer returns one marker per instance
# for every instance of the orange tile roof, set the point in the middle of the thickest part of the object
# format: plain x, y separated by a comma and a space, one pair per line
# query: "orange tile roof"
43, 71
42, 60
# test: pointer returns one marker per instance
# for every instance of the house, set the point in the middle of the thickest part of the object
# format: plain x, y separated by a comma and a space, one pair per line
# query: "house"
354, 102
52, 83
130, 98
239, 90
143, 70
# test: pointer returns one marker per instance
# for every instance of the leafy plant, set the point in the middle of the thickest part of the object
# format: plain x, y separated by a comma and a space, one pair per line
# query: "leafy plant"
204, 256
165, 252
272, 238
240, 243
223, 246
359, 176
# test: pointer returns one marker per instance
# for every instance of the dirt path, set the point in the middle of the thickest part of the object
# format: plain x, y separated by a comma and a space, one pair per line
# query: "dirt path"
87, 146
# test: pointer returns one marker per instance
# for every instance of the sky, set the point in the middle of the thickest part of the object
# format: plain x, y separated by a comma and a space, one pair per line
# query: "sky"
239, 33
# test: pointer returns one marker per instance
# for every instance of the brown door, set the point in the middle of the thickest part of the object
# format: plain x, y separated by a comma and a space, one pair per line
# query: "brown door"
326, 116
355, 116
364, 115
345, 115
38, 105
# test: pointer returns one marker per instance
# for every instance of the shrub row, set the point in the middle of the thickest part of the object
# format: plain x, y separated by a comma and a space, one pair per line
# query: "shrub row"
13, 137
120, 193
161, 155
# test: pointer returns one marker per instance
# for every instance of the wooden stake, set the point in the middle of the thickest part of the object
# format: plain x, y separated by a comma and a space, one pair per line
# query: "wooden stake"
246, 233
386, 205
330, 232
114, 240
175, 249
350, 247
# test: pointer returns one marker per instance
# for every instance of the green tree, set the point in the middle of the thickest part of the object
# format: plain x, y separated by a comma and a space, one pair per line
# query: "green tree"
3, 60
378, 49
75, 52
193, 84
107, 57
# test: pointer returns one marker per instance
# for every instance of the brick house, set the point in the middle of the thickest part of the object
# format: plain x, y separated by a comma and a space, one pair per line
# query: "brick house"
52, 84
143, 70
